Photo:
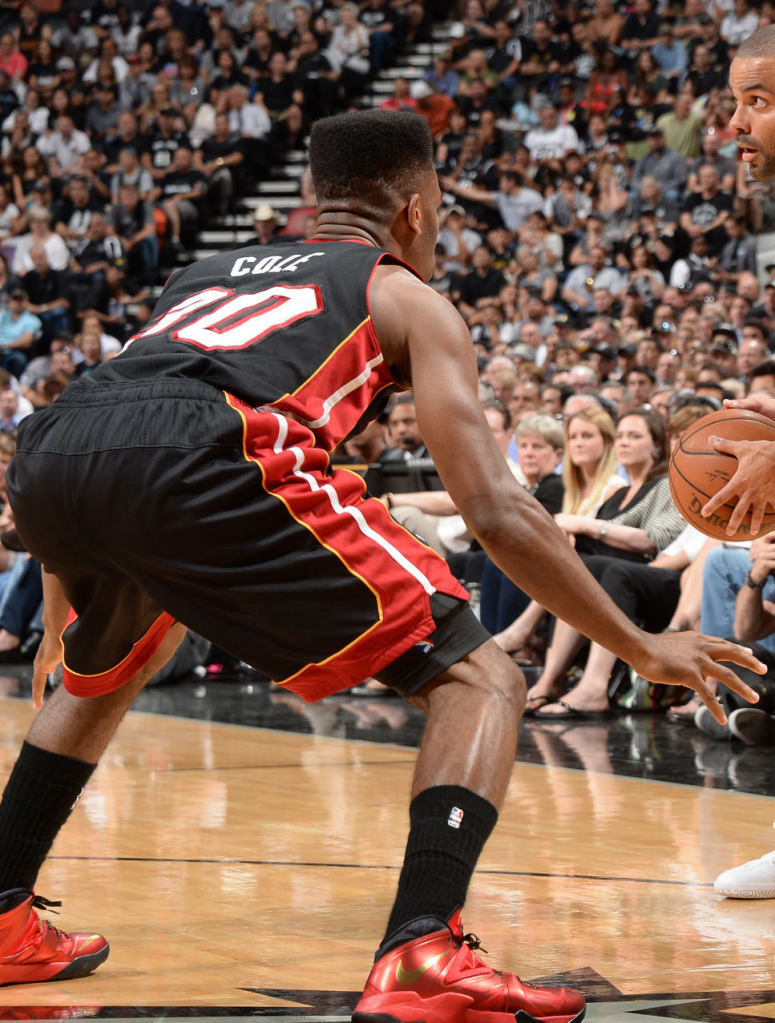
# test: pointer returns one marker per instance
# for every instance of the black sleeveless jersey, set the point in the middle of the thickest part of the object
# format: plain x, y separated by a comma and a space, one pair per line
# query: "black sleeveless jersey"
285, 326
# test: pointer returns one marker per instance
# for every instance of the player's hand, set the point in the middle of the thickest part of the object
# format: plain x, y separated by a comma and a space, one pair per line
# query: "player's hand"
760, 401
750, 488
762, 557
692, 660
46, 660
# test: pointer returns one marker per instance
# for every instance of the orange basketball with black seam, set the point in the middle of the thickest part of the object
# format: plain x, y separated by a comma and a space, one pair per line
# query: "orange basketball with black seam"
697, 471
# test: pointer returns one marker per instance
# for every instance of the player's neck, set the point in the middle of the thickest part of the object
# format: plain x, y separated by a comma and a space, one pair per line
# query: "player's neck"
334, 226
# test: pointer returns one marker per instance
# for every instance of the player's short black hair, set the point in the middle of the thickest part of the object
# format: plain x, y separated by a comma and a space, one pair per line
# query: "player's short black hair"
368, 161
760, 43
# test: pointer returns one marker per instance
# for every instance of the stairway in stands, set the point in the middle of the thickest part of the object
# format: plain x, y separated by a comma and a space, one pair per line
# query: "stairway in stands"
282, 190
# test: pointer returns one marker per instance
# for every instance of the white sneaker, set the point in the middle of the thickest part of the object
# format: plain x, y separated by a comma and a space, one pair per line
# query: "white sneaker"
752, 880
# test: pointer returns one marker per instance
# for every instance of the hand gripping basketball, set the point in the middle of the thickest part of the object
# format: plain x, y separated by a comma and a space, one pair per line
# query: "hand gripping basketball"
752, 487
721, 473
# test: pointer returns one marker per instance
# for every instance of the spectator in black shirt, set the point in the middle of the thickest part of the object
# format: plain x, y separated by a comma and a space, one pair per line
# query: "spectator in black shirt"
504, 55
259, 54
162, 144
701, 75
640, 30
179, 194
738, 256
97, 267
126, 134
227, 73
705, 212
479, 100
276, 91
220, 160
75, 210
540, 59
384, 27
480, 284
135, 225
47, 294
103, 113
315, 78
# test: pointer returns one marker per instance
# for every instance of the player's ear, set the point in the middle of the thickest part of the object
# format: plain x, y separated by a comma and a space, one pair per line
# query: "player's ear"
414, 212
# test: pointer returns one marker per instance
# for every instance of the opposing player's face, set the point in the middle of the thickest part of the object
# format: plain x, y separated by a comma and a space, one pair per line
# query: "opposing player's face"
752, 80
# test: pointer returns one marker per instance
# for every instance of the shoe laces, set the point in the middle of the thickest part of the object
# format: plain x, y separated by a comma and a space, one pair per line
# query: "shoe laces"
472, 945
40, 902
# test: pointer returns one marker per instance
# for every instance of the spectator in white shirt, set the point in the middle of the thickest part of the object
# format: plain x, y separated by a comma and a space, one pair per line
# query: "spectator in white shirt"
550, 143
64, 146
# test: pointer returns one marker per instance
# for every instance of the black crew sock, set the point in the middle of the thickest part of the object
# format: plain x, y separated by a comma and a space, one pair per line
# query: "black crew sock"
42, 790
448, 828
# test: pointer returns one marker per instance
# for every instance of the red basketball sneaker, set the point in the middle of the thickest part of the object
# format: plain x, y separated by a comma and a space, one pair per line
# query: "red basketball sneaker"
32, 950
437, 978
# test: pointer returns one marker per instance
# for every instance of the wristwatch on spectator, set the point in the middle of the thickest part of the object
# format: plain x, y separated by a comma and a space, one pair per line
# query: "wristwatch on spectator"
754, 586
603, 531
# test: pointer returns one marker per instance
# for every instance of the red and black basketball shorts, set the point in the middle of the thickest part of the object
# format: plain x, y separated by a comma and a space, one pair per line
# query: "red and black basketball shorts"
170, 500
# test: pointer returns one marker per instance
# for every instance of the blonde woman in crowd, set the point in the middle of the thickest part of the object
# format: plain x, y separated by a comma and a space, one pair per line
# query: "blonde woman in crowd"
589, 477
634, 525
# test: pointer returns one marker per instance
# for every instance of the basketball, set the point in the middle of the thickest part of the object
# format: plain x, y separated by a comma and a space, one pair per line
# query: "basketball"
697, 472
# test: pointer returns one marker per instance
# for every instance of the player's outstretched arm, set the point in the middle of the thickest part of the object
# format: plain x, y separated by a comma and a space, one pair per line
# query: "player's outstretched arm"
514, 529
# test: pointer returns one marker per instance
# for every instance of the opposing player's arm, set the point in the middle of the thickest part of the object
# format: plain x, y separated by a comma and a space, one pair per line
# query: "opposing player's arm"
517, 533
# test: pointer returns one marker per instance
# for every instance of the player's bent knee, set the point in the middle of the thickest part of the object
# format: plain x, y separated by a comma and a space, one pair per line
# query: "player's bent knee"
493, 675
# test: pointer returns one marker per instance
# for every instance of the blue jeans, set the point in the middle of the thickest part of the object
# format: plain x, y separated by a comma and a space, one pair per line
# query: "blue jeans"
723, 575
21, 603
13, 360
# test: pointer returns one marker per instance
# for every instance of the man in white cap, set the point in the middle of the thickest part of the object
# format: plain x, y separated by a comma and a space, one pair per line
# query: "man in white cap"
434, 106
266, 223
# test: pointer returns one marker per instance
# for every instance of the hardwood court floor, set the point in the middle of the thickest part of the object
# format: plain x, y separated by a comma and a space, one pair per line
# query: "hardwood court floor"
248, 869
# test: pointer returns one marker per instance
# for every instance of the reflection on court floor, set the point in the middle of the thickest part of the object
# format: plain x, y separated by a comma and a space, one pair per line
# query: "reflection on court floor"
247, 869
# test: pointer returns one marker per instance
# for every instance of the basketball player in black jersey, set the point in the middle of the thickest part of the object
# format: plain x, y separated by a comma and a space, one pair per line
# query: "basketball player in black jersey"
187, 483
752, 80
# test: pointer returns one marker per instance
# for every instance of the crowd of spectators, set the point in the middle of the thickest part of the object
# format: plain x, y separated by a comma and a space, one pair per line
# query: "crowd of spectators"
599, 237
598, 233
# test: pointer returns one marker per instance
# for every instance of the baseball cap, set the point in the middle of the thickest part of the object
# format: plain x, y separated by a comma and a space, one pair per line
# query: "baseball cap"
456, 208
655, 131
420, 90
727, 330
18, 293
264, 212
65, 64
521, 351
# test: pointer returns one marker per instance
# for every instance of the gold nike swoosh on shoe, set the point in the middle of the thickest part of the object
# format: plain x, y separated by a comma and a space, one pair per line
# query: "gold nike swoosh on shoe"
410, 976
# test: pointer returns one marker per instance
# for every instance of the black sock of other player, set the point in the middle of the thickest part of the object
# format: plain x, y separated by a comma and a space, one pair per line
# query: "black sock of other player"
41, 792
448, 828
